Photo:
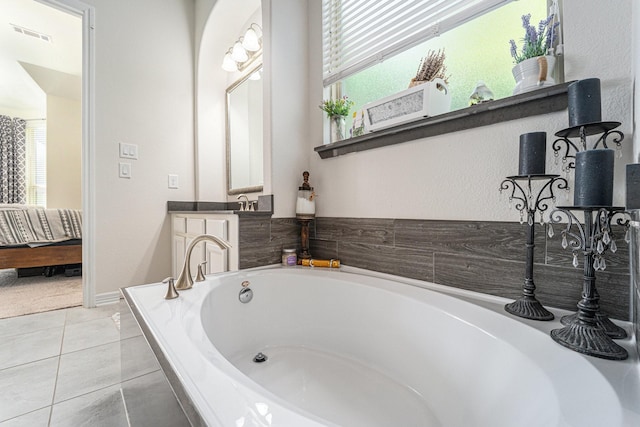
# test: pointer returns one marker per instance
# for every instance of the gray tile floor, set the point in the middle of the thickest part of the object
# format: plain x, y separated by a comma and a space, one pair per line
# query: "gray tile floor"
62, 368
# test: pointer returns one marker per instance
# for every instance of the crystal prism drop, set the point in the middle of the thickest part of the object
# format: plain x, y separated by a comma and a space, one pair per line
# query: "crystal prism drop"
613, 246
521, 218
530, 220
575, 260
564, 241
600, 247
606, 238
550, 232
603, 264
596, 263
627, 236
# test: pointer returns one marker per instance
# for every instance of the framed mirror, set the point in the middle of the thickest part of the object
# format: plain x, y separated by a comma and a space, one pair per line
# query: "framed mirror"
244, 134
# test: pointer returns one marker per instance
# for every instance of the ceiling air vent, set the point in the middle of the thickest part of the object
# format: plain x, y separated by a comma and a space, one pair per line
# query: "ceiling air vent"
32, 33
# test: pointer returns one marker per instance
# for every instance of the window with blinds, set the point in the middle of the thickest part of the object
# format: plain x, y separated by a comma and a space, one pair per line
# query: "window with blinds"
372, 49
360, 33
36, 156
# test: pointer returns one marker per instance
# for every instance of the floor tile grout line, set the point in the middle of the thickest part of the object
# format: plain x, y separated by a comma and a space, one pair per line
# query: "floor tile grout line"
55, 386
26, 413
119, 383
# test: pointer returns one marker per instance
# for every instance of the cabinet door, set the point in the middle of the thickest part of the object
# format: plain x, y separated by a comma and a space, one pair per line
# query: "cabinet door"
179, 248
217, 259
179, 224
195, 225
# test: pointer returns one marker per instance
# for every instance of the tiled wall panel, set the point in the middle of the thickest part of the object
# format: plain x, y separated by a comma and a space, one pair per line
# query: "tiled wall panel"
480, 256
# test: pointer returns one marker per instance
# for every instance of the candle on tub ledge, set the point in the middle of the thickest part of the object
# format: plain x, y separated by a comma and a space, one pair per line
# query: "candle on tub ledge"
305, 203
533, 150
594, 178
584, 102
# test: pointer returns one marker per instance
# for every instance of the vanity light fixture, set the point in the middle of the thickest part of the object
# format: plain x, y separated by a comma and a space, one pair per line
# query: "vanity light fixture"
252, 40
244, 50
238, 53
257, 75
228, 64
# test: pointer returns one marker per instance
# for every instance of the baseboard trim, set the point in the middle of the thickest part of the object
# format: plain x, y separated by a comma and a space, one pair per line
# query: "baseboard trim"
107, 298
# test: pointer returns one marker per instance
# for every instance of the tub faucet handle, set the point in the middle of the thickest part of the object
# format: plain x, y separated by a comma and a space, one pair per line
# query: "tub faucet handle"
171, 289
200, 276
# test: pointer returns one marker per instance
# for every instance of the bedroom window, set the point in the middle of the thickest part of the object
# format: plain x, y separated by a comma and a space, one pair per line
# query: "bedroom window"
373, 49
36, 148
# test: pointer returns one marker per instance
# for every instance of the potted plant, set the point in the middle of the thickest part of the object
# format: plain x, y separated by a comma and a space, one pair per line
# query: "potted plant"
431, 67
337, 112
535, 60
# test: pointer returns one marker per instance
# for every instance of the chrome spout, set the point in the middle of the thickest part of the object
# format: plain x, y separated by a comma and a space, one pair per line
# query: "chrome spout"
185, 281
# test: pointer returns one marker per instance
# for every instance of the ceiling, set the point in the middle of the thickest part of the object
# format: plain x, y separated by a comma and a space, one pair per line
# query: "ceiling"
31, 67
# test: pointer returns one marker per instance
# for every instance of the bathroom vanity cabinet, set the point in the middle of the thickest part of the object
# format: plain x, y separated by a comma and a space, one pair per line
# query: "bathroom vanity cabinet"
186, 226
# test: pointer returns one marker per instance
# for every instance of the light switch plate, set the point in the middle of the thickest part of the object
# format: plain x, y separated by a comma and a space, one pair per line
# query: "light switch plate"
124, 170
128, 151
173, 181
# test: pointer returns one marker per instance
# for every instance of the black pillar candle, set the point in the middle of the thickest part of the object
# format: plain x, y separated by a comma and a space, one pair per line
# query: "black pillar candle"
594, 178
584, 102
633, 186
533, 150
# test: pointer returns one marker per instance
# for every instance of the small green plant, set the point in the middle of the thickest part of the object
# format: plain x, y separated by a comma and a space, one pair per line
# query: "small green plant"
339, 107
536, 42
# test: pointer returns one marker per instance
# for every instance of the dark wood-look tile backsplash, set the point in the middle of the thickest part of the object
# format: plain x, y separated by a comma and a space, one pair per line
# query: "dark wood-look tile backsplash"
481, 256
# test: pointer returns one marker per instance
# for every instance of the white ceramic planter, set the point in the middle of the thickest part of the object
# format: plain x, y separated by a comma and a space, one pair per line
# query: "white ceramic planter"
530, 74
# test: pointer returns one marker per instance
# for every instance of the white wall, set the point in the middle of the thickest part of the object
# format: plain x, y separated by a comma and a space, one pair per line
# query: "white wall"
636, 72
286, 96
456, 176
144, 95
64, 152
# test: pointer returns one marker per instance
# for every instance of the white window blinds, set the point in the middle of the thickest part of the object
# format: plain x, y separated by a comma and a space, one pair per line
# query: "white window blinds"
36, 153
359, 33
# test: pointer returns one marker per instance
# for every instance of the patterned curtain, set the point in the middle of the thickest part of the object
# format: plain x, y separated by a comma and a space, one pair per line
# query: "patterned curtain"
13, 178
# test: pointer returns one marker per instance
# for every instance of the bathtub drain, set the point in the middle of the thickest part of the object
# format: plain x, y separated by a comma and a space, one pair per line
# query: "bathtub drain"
260, 357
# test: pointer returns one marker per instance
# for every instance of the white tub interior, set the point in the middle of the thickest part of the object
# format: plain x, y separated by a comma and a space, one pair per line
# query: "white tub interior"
360, 351
355, 350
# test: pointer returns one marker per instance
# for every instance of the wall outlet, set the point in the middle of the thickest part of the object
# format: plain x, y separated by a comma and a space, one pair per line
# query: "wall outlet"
173, 181
124, 170
128, 151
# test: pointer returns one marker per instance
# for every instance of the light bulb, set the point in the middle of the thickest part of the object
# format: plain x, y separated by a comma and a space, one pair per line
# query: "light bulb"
251, 41
228, 64
238, 53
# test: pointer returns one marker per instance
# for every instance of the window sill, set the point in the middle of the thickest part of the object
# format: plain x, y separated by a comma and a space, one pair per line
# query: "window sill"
541, 101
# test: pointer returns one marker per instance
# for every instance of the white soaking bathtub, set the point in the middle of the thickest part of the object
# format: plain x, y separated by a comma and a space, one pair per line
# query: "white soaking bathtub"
347, 348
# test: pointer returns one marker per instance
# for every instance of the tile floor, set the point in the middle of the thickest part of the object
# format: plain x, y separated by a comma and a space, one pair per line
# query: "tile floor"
62, 368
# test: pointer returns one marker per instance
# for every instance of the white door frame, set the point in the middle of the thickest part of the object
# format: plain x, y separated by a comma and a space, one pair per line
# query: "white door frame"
87, 13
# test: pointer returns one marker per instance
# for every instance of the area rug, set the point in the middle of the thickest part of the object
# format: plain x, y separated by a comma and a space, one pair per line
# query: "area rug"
35, 294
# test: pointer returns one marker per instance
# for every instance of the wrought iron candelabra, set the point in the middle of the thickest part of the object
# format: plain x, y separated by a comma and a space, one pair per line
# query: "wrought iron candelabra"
528, 202
608, 135
589, 331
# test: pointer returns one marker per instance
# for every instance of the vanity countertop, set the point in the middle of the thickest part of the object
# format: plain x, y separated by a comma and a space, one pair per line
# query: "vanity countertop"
265, 207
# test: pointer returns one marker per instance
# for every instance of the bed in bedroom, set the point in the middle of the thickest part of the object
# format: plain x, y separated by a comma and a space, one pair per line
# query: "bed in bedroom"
37, 237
